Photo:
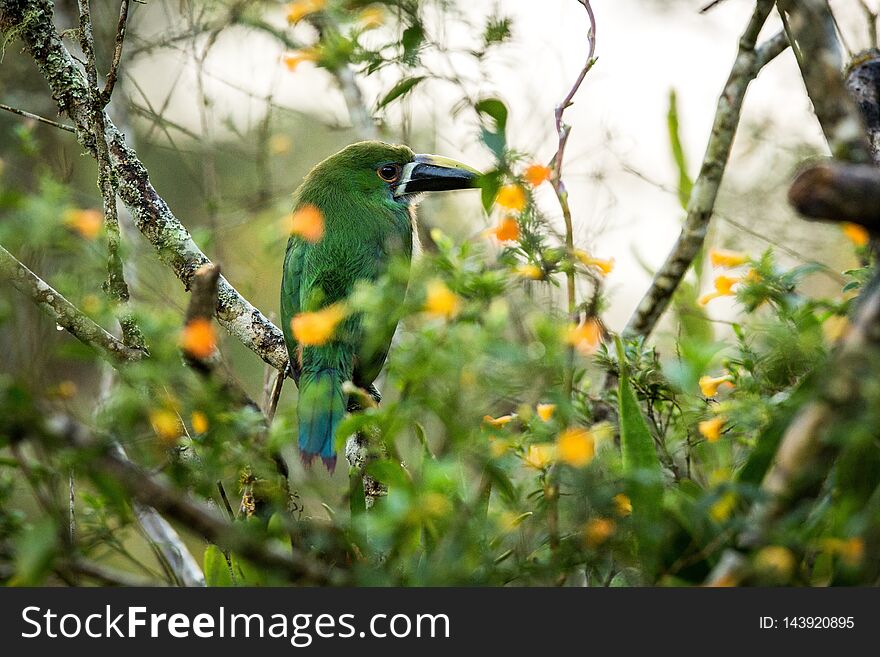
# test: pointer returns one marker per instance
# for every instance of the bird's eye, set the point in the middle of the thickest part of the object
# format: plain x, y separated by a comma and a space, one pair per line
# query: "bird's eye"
389, 172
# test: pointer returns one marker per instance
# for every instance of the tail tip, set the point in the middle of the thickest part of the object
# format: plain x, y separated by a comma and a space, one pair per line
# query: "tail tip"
308, 458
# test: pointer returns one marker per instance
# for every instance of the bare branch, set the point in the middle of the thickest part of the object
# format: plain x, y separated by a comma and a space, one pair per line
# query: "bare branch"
194, 514
64, 313
37, 117
701, 205
836, 191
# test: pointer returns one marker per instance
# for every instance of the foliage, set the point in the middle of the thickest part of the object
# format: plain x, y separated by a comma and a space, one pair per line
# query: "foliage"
497, 474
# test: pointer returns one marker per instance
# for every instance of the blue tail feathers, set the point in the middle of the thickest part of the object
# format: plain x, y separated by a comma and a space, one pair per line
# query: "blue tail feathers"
320, 408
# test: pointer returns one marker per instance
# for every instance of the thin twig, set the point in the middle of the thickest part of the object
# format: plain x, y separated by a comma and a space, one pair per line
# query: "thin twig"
118, 42
115, 286
701, 205
563, 131
37, 117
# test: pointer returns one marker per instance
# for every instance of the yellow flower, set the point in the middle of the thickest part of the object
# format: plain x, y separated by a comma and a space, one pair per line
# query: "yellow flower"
597, 531
723, 258
622, 505
279, 144
851, 551
723, 288
545, 411
605, 267
711, 429
371, 18
511, 197
293, 59
434, 505
835, 327
498, 447
576, 446
776, 562
307, 222
199, 422
166, 424
721, 510
317, 328
296, 11
507, 230
198, 338
498, 421
540, 456
585, 337
709, 384
856, 234
753, 276
530, 271
537, 174
440, 301
87, 223
65, 390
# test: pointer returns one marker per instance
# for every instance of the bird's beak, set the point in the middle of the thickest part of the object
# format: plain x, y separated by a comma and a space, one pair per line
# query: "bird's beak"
433, 173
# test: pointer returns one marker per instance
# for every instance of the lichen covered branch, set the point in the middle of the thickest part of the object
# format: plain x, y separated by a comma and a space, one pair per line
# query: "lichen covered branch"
32, 20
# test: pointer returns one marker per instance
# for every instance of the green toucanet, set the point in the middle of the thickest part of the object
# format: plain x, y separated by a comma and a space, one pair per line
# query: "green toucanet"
365, 194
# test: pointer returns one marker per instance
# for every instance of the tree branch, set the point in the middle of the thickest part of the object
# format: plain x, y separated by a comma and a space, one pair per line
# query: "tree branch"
157, 492
701, 205
64, 313
118, 42
837, 191
33, 21
37, 117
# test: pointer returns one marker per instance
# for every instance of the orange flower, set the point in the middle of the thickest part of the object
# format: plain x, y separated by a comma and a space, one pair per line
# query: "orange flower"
709, 384
723, 288
313, 329
722, 258
506, 231
585, 337
296, 11
293, 59
441, 301
576, 446
537, 174
87, 223
498, 421
605, 267
711, 429
198, 338
371, 18
307, 222
856, 234
511, 197
199, 422
545, 411
598, 531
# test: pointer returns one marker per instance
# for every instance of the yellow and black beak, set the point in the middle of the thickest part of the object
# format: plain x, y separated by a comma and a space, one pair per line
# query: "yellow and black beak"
433, 173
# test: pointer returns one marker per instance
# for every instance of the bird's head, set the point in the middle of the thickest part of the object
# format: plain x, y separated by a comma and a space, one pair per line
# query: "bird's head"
392, 173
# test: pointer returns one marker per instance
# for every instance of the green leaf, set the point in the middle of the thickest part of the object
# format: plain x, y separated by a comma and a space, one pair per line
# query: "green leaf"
389, 472
685, 184
496, 109
493, 131
35, 551
642, 469
400, 89
357, 501
216, 567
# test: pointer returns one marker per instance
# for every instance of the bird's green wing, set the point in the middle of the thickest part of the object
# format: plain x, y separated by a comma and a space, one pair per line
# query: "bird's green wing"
291, 279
